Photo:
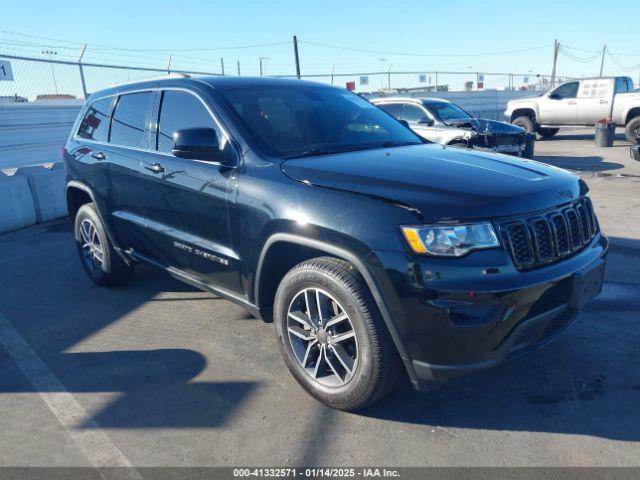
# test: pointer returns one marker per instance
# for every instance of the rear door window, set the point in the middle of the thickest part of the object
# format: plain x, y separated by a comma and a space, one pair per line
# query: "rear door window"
180, 110
95, 123
129, 120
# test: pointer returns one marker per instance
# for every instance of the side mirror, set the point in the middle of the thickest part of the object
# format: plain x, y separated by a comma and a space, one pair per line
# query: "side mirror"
405, 123
555, 96
198, 144
426, 121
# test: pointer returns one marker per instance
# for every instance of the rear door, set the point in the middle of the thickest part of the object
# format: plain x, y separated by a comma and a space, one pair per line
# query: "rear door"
594, 100
186, 200
128, 139
560, 107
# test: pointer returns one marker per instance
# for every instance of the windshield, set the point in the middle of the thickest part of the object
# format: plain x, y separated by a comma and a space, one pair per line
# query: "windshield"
295, 121
446, 112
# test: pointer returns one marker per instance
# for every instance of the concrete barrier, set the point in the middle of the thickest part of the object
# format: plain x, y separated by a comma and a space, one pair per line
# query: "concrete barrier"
16, 203
48, 191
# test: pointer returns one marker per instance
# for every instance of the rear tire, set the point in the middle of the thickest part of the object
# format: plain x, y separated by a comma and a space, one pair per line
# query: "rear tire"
632, 130
101, 262
345, 363
525, 122
547, 132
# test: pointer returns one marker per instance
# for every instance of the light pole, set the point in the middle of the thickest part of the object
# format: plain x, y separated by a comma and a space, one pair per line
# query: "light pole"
382, 60
51, 53
263, 59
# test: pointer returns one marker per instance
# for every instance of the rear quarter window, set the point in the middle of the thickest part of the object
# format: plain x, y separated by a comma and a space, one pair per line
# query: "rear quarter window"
95, 123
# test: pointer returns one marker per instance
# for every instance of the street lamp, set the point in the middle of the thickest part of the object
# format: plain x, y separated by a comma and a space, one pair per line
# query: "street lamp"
51, 53
263, 59
382, 60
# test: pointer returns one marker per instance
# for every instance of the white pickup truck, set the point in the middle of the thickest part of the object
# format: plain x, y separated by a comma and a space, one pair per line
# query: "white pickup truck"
579, 103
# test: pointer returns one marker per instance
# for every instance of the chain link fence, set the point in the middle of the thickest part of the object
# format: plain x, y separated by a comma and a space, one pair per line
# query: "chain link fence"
29, 79
32, 79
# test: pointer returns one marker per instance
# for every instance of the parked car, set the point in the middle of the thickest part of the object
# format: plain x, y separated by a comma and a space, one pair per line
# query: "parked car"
371, 251
579, 103
443, 122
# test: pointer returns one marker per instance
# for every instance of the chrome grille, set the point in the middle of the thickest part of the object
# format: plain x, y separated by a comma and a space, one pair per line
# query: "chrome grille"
542, 239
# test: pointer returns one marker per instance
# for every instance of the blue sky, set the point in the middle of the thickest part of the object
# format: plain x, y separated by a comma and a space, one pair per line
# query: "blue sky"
423, 27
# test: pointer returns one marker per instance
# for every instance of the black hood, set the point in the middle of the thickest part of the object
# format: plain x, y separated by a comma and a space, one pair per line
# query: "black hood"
482, 125
442, 182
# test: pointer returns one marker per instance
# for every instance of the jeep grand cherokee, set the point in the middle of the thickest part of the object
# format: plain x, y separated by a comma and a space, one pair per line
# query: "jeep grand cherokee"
372, 252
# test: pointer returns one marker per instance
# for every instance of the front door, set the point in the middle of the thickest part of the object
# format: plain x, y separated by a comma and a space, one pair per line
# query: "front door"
560, 106
186, 200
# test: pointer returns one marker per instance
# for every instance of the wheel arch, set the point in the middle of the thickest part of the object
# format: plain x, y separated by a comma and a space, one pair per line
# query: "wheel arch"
264, 284
523, 112
631, 114
78, 194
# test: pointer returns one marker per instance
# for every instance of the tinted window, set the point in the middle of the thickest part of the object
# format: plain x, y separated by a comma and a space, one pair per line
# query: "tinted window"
129, 118
180, 110
568, 90
298, 120
445, 111
621, 85
411, 113
95, 124
390, 108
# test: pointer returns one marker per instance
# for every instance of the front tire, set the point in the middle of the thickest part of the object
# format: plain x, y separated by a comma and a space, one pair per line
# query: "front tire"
331, 335
525, 122
632, 130
99, 259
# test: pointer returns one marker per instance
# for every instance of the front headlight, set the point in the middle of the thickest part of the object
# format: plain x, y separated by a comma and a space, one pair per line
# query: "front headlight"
450, 240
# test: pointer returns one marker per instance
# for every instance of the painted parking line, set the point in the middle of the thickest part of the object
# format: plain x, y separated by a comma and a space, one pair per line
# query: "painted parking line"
91, 440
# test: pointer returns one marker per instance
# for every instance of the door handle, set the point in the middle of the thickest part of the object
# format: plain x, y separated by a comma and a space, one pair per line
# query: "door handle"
154, 167
604, 101
571, 103
99, 155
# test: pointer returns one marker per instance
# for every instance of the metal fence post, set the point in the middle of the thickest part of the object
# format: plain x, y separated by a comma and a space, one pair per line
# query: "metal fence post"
84, 85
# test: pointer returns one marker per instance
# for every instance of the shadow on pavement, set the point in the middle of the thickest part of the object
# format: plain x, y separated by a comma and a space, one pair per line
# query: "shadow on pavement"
583, 163
53, 305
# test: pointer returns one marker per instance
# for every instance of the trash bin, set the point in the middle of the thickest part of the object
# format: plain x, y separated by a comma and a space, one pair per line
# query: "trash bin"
604, 134
529, 145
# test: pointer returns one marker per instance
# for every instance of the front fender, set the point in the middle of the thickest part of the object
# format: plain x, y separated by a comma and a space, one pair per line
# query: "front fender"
376, 278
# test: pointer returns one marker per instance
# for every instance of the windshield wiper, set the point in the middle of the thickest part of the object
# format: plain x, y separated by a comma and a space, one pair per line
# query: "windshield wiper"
311, 152
397, 144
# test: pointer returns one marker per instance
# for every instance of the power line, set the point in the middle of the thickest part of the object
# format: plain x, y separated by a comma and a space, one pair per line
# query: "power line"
124, 49
384, 52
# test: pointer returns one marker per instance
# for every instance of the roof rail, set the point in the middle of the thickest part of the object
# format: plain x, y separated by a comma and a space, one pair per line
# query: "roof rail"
150, 79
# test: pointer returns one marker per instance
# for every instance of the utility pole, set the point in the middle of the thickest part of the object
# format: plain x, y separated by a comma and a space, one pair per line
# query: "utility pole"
604, 50
389, 77
222, 65
238, 64
556, 48
262, 59
296, 56
84, 85
169, 64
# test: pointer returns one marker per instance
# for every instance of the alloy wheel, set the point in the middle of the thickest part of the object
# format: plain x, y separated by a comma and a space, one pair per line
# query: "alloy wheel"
92, 249
322, 337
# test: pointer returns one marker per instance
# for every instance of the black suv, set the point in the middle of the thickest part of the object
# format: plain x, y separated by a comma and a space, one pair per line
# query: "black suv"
371, 251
